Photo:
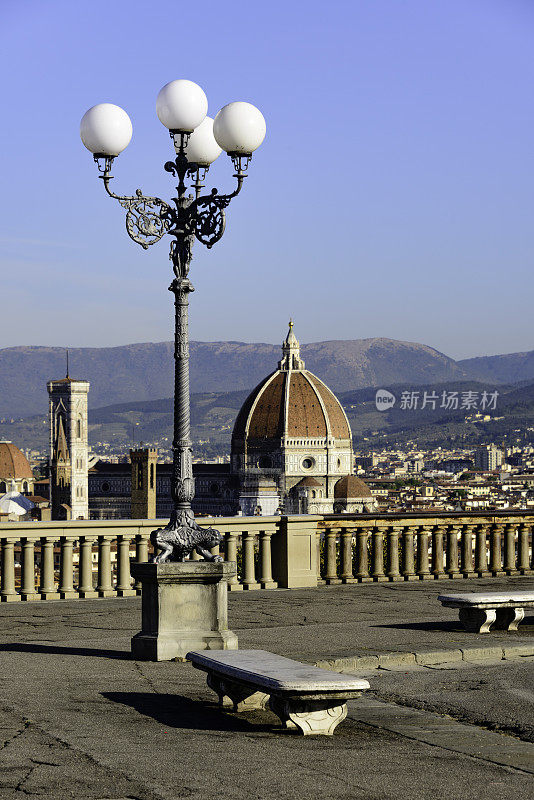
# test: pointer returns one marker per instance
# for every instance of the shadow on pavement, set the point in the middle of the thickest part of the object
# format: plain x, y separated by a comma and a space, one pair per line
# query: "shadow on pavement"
452, 626
52, 649
175, 711
434, 625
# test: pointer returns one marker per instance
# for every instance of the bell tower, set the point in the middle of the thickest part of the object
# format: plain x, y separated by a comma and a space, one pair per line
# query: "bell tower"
68, 448
144, 461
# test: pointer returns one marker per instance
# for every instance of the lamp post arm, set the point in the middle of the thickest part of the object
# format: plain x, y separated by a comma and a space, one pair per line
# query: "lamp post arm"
206, 214
147, 218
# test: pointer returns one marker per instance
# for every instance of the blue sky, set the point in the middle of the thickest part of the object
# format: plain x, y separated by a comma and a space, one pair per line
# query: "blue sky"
393, 195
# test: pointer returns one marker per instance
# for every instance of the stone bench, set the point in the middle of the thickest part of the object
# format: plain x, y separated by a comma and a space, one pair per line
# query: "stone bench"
480, 611
305, 698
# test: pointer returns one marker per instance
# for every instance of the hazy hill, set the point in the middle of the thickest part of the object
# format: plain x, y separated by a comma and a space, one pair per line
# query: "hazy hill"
510, 368
139, 372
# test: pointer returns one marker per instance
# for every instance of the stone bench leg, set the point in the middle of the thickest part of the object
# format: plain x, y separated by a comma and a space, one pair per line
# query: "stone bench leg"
509, 618
477, 620
309, 716
236, 696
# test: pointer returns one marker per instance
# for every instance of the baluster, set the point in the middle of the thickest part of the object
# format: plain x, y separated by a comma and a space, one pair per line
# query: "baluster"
266, 574
346, 556
452, 553
47, 588
509, 549
124, 581
481, 555
423, 571
215, 550
320, 581
85, 573
231, 555
28, 570
438, 568
467, 552
66, 585
495, 551
408, 560
524, 560
331, 556
362, 559
393, 572
104, 587
377, 539
249, 571
8, 593
141, 556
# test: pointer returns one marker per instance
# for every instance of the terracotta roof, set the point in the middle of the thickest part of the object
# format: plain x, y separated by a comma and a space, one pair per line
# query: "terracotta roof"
305, 416
308, 481
312, 409
351, 486
267, 418
339, 427
13, 464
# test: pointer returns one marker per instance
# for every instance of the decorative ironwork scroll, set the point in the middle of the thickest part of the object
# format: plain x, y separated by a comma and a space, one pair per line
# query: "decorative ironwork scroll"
147, 218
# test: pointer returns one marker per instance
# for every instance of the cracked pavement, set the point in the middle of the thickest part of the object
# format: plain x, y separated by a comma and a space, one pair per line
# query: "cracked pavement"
79, 718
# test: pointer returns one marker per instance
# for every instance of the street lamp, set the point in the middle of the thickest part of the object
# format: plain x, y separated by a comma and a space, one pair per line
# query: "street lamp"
239, 129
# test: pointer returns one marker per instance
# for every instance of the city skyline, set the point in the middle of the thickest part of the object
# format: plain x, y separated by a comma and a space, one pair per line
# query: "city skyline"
401, 134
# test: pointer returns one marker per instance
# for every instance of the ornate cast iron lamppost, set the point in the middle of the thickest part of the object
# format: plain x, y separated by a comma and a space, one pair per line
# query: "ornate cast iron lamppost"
239, 129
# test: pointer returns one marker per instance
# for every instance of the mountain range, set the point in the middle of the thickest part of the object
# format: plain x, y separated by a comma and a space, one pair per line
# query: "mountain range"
141, 372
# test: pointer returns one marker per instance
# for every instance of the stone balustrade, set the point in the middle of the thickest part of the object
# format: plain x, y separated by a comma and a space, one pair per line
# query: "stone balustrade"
423, 547
84, 559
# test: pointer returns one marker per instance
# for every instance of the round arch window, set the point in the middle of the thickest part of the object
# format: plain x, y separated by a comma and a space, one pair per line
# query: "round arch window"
308, 463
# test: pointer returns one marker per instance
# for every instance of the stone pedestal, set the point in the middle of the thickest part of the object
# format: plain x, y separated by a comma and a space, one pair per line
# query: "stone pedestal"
294, 552
184, 607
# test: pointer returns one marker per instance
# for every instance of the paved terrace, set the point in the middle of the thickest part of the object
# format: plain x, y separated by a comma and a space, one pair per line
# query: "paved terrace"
448, 716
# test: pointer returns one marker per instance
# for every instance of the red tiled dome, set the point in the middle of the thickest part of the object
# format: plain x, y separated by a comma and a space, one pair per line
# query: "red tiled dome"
13, 464
350, 487
291, 402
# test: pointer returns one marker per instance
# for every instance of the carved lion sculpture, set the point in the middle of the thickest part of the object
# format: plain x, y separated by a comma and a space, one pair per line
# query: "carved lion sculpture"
175, 543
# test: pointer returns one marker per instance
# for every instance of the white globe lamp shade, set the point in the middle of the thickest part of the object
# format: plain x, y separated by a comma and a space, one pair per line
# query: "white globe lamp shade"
239, 128
106, 129
202, 149
181, 105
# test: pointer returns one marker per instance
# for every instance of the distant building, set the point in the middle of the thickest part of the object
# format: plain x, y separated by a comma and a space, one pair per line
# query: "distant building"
366, 462
414, 465
488, 457
291, 441
143, 483
68, 448
15, 471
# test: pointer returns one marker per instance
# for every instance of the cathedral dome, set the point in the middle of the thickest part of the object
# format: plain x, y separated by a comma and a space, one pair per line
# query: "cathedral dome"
13, 464
291, 403
351, 487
